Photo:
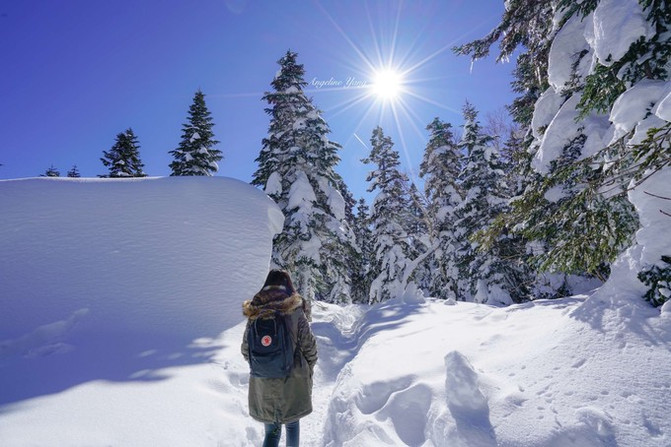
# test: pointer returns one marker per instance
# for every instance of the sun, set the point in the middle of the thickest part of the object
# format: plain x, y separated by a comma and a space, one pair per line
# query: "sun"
387, 84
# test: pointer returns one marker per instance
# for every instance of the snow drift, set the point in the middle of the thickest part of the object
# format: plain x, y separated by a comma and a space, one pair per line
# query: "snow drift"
122, 275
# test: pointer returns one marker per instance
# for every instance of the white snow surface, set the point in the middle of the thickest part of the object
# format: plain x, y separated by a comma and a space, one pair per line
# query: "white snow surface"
545, 109
634, 105
617, 24
563, 128
274, 184
564, 52
663, 108
121, 326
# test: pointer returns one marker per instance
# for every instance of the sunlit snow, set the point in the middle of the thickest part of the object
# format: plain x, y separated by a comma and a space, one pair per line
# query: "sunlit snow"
122, 324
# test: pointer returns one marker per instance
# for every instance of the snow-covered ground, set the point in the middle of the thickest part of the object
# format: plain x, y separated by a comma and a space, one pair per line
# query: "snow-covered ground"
120, 325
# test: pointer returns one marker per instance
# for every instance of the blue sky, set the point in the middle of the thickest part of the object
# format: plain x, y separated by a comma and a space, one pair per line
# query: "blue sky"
75, 73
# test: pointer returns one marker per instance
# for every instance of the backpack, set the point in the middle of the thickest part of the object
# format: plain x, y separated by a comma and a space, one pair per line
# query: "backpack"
271, 349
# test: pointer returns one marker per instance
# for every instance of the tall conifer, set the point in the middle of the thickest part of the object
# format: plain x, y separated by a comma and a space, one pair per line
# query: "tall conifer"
484, 198
389, 219
51, 172
123, 159
196, 153
440, 169
363, 260
296, 167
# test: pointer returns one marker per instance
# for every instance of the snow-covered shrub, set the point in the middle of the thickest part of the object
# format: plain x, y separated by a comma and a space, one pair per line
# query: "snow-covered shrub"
658, 279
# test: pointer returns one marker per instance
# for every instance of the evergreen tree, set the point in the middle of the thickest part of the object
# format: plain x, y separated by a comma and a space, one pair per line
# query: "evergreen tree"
350, 201
515, 247
658, 279
51, 172
362, 262
527, 24
353, 250
440, 169
484, 199
123, 159
74, 172
196, 154
296, 167
418, 228
577, 210
389, 220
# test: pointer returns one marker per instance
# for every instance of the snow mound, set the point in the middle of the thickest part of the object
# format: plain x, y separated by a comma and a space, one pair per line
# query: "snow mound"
124, 276
563, 128
547, 373
467, 405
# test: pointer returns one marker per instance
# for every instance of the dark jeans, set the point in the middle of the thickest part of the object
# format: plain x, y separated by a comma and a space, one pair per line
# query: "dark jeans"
273, 432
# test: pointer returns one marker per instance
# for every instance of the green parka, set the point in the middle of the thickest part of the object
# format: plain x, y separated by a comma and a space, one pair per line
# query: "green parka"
286, 399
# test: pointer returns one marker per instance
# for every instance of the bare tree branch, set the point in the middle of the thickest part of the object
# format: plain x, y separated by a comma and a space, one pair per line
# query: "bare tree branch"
655, 195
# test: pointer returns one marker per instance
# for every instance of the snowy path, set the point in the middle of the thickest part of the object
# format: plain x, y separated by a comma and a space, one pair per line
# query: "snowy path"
333, 327
559, 373
539, 374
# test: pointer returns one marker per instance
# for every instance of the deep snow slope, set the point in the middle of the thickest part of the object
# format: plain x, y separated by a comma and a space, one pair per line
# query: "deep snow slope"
104, 279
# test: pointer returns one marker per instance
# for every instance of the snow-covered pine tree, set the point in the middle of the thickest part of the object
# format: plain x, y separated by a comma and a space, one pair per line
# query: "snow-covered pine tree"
351, 219
418, 228
74, 172
123, 159
389, 219
525, 23
440, 169
598, 128
362, 262
658, 279
484, 199
296, 167
51, 172
514, 247
196, 153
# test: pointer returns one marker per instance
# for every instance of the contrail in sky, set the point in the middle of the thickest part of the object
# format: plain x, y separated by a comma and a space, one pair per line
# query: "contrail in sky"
360, 140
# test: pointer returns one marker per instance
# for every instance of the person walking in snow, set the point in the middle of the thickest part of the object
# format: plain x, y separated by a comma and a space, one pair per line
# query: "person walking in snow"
281, 400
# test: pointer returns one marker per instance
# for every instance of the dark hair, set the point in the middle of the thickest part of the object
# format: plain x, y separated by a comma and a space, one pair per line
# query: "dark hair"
280, 278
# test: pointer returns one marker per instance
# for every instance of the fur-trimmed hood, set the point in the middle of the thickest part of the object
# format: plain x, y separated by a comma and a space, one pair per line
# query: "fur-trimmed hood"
270, 300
